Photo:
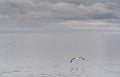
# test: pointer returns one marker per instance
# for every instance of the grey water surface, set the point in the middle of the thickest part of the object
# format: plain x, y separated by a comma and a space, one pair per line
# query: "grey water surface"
47, 54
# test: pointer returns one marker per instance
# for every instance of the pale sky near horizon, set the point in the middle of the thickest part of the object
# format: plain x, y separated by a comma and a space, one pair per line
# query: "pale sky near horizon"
58, 14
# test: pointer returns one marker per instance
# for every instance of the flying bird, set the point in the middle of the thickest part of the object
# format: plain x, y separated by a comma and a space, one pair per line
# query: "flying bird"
76, 59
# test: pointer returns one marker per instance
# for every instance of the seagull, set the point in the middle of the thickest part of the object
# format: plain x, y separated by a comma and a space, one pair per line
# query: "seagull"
76, 59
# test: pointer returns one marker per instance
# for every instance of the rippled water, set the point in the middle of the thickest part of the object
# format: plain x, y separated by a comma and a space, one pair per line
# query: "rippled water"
47, 54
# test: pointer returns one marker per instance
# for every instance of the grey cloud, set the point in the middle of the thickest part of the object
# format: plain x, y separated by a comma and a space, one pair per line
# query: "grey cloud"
70, 11
47, 11
78, 1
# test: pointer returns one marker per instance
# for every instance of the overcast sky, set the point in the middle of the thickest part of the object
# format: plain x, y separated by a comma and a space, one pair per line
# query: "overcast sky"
59, 13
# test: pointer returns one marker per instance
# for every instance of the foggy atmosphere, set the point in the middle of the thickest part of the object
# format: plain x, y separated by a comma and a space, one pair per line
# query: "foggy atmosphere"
59, 38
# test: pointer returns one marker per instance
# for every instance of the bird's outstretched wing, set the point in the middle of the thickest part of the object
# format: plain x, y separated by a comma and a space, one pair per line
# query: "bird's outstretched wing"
72, 60
82, 58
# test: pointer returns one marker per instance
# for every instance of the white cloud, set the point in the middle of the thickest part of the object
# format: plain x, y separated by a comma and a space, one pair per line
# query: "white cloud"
80, 24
